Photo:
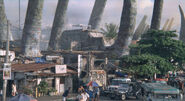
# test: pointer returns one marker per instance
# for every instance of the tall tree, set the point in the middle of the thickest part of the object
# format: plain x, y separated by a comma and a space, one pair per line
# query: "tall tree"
162, 44
97, 14
58, 24
156, 52
146, 65
127, 26
32, 29
157, 13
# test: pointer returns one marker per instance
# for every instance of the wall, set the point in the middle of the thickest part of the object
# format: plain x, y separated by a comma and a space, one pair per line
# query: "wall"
81, 40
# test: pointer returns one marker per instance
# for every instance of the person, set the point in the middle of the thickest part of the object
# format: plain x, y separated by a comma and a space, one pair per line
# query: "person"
80, 97
85, 95
65, 94
97, 93
14, 90
80, 88
94, 93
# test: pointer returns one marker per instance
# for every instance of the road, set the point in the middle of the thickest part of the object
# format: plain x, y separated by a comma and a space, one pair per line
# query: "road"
108, 99
58, 98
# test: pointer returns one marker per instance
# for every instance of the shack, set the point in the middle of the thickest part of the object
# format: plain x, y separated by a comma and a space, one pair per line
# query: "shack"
57, 76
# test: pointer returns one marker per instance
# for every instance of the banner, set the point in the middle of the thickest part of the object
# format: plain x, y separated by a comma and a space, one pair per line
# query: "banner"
6, 71
60, 69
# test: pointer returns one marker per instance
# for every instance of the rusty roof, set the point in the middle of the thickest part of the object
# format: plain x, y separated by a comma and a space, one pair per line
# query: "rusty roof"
53, 74
31, 67
36, 67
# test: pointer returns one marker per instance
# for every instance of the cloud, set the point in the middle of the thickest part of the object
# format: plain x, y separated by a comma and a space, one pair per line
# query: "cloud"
145, 4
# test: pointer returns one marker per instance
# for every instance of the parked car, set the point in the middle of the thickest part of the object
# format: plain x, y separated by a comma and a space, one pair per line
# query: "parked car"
116, 83
128, 90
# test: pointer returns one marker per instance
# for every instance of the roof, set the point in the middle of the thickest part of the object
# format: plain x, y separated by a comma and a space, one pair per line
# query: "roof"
160, 88
53, 74
31, 67
122, 79
96, 35
36, 67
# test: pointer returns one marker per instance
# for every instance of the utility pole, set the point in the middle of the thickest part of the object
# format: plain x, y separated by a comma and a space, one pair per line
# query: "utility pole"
6, 61
20, 17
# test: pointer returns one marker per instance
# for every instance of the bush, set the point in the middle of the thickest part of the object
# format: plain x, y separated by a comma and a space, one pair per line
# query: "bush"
43, 87
52, 90
27, 91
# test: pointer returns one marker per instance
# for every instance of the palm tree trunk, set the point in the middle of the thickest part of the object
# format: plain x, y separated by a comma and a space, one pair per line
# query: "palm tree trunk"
97, 14
32, 29
182, 30
3, 23
157, 13
58, 24
127, 26
140, 29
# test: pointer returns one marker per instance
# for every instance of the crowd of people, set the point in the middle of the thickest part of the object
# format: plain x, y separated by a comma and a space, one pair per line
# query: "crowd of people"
84, 94
87, 94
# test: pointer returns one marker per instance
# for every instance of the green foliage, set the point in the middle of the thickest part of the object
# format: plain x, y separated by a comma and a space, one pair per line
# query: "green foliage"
162, 43
43, 87
146, 64
110, 31
157, 52
27, 91
52, 90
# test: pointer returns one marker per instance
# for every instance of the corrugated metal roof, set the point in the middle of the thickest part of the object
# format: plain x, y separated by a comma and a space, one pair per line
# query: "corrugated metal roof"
36, 67
30, 67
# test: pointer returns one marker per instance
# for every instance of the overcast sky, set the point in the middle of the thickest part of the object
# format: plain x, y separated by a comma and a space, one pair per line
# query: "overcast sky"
79, 11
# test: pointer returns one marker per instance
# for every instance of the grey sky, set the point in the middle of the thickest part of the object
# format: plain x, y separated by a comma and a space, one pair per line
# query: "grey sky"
79, 11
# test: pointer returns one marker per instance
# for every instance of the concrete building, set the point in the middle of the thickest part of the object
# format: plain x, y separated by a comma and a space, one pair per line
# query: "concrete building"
3, 54
57, 76
83, 40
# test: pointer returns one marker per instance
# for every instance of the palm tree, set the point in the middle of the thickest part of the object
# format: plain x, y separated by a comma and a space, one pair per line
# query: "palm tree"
3, 23
157, 13
97, 13
58, 24
127, 26
32, 28
182, 30
110, 31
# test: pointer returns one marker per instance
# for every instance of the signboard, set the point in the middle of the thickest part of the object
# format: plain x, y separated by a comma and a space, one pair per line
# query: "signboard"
79, 64
60, 69
6, 71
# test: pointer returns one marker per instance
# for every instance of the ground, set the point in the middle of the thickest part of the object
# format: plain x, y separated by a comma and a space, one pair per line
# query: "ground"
59, 98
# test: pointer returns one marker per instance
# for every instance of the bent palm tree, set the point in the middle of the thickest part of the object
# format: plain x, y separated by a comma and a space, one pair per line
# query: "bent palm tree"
58, 24
157, 13
127, 26
32, 29
97, 13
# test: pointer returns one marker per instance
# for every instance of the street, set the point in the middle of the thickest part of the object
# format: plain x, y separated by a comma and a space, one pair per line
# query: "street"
108, 99
58, 98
